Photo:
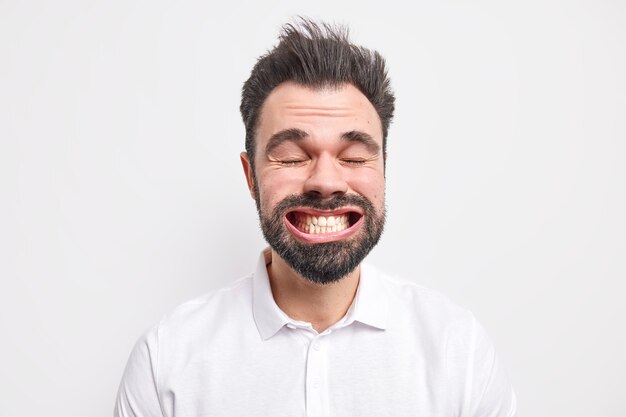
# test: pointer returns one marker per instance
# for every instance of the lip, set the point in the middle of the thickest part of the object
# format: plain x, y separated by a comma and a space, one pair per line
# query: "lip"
326, 237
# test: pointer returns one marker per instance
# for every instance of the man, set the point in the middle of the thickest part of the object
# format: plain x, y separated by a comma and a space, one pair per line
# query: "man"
313, 332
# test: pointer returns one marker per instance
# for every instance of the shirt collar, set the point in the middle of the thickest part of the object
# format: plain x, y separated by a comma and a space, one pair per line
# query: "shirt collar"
369, 306
269, 318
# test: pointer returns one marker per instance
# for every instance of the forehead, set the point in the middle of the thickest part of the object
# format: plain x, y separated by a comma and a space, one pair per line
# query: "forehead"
323, 112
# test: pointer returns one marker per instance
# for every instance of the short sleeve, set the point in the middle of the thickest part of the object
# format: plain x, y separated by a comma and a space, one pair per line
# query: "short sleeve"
138, 393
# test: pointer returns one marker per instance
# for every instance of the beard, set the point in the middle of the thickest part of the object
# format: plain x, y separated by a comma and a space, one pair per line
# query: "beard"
327, 262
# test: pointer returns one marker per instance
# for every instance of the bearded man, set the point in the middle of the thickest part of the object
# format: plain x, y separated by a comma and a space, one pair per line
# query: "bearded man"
314, 332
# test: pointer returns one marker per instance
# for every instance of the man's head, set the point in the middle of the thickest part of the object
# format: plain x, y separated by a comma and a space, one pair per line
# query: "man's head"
316, 56
317, 109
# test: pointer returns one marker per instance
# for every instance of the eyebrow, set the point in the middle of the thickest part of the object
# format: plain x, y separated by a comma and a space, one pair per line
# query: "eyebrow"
295, 135
362, 137
283, 136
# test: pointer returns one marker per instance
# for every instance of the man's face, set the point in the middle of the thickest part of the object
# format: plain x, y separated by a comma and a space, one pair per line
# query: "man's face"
319, 178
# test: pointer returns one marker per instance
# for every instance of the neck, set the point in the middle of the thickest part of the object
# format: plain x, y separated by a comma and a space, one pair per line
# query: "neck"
322, 305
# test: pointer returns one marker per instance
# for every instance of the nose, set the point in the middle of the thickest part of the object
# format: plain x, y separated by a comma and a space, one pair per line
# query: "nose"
325, 178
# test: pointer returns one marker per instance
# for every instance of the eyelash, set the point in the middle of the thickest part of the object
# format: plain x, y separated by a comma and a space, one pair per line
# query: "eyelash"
353, 161
291, 163
345, 161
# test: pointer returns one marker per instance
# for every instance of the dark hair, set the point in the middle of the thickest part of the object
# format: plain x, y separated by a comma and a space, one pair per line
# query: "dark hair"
316, 55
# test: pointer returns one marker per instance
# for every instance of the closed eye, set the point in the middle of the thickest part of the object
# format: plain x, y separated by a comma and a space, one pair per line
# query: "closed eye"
353, 161
291, 162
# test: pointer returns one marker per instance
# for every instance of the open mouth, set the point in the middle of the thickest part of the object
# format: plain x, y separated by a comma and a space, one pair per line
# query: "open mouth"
313, 222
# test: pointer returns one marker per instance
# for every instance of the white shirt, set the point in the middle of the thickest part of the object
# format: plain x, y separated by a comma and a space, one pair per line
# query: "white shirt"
401, 350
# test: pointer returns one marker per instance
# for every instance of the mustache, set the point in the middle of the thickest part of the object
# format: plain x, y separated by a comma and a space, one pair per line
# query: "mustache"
314, 202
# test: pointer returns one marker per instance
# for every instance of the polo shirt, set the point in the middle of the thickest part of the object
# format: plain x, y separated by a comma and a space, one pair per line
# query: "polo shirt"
400, 350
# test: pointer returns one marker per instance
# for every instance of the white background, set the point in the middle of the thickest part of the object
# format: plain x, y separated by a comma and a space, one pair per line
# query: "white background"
122, 193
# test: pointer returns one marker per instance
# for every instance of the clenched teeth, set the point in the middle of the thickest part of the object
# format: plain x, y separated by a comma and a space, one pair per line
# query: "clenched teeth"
321, 224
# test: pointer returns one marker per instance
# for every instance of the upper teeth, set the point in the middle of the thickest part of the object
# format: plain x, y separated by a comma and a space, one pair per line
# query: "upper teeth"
321, 224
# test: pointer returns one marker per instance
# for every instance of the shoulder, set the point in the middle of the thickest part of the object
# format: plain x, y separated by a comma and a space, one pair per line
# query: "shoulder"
208, 311
410, 298
454, 339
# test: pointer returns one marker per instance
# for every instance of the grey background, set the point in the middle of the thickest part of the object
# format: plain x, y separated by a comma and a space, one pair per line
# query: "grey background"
122, 193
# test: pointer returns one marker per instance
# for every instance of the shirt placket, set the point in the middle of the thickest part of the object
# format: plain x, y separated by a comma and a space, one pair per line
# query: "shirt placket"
316, 381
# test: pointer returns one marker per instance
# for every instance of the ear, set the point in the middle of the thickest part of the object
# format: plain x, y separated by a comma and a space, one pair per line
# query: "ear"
247, 170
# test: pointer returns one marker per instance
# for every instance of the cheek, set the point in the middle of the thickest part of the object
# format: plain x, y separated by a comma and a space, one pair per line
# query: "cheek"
275, 186
371, 187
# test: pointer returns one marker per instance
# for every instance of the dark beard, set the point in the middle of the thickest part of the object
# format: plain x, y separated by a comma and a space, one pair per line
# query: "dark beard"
328, 262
